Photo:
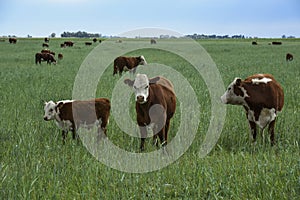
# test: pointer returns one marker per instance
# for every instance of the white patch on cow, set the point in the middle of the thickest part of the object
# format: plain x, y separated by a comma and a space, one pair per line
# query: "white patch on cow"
263, 80
141, 88
229, 97
64, 124
265, 117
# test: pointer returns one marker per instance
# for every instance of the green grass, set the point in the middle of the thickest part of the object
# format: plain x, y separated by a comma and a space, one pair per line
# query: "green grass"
35, 165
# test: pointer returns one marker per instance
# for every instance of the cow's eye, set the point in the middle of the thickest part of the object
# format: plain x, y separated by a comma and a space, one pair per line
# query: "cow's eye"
51, 110
229, 89
134, 87
147, 87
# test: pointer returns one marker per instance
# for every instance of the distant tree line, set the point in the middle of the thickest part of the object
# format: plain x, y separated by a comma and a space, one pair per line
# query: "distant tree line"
202, 36
80, 34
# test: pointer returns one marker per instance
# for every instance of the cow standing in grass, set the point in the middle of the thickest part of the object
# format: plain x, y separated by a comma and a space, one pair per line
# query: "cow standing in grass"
155, 106
69, 115
130, 64
48, 57
261, 96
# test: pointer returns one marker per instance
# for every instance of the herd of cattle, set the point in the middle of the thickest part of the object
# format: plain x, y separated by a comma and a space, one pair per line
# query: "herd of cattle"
155, 101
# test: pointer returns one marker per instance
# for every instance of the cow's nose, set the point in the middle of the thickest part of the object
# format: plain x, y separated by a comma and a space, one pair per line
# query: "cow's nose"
45, 118
140, 98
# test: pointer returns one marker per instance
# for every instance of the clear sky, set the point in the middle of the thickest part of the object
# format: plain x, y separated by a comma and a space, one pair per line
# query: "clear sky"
255, 18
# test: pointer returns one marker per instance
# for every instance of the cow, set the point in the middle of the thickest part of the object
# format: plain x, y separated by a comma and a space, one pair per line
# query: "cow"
69, 43
155, 106
261, 96
45, 45
39, 57
123, 63
277, 43
70, 115
88, 43
63, 45
46, 39
60, 56
95, 40
12, 40
289, 57
254, 43
152, 41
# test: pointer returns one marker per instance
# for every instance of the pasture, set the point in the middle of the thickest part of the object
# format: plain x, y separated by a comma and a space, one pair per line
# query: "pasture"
35, 165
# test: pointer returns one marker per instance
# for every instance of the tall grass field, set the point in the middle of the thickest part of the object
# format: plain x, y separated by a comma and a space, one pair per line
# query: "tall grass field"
34, 164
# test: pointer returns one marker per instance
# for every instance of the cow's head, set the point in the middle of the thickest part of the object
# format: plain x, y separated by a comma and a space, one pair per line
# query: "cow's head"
142, 60
141, 87
235, 93
50, 110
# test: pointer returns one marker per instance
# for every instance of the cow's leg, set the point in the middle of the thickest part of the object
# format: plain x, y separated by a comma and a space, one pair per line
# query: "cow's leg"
64, 135
143, 132
253, 130
167, 129
271, 132
162, 138
155, 140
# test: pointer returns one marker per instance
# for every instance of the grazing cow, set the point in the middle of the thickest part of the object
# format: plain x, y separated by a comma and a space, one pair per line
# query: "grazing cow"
95, 40
70, 115
261, 96
289, 57
45, 45
60, 56
88, 43
69, 43
12, 40
155, 106
46, 39
39, 57
123, 63
100, 41
63, 45
152, 41
276, 43
254, 43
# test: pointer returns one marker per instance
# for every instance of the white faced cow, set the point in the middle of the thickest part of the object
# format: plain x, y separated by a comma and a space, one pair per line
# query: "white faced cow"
261, 96
155, 106
70, 114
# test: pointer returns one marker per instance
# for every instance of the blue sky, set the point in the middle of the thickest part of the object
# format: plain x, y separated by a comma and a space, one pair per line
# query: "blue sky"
255, 18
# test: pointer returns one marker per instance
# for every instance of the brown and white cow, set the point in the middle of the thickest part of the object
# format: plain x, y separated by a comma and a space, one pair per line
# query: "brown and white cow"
261, 96
70, 114
68, 43
289, 57
155, 106
12, 40
39, 57
130, 64
60, 56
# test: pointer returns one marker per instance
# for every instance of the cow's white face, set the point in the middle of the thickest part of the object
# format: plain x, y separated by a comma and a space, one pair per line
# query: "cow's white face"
230, 97
143, 61
141, 88
50, 111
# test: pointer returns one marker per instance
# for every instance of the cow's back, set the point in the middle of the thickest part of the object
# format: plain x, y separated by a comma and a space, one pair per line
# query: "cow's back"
268, 95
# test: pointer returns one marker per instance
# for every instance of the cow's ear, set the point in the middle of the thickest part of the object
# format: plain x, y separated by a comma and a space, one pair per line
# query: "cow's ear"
238, 81
129, 82
154, 80
59, 106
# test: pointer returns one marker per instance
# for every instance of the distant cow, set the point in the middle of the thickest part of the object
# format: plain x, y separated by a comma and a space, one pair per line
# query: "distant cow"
45, 45
155, 106
63, 45
123, 63
276, 43
88, 43
69, 43
289, 57
60, 56
254, 43
46, 39
12, 40
49, 58
71, 114
95, 40
152, 41
261, 96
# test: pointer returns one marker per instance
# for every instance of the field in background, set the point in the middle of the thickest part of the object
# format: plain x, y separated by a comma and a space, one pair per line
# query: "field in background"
35, 165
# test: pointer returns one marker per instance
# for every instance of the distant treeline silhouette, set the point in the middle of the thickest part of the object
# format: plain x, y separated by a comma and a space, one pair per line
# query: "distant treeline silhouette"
80, 34
202, 36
